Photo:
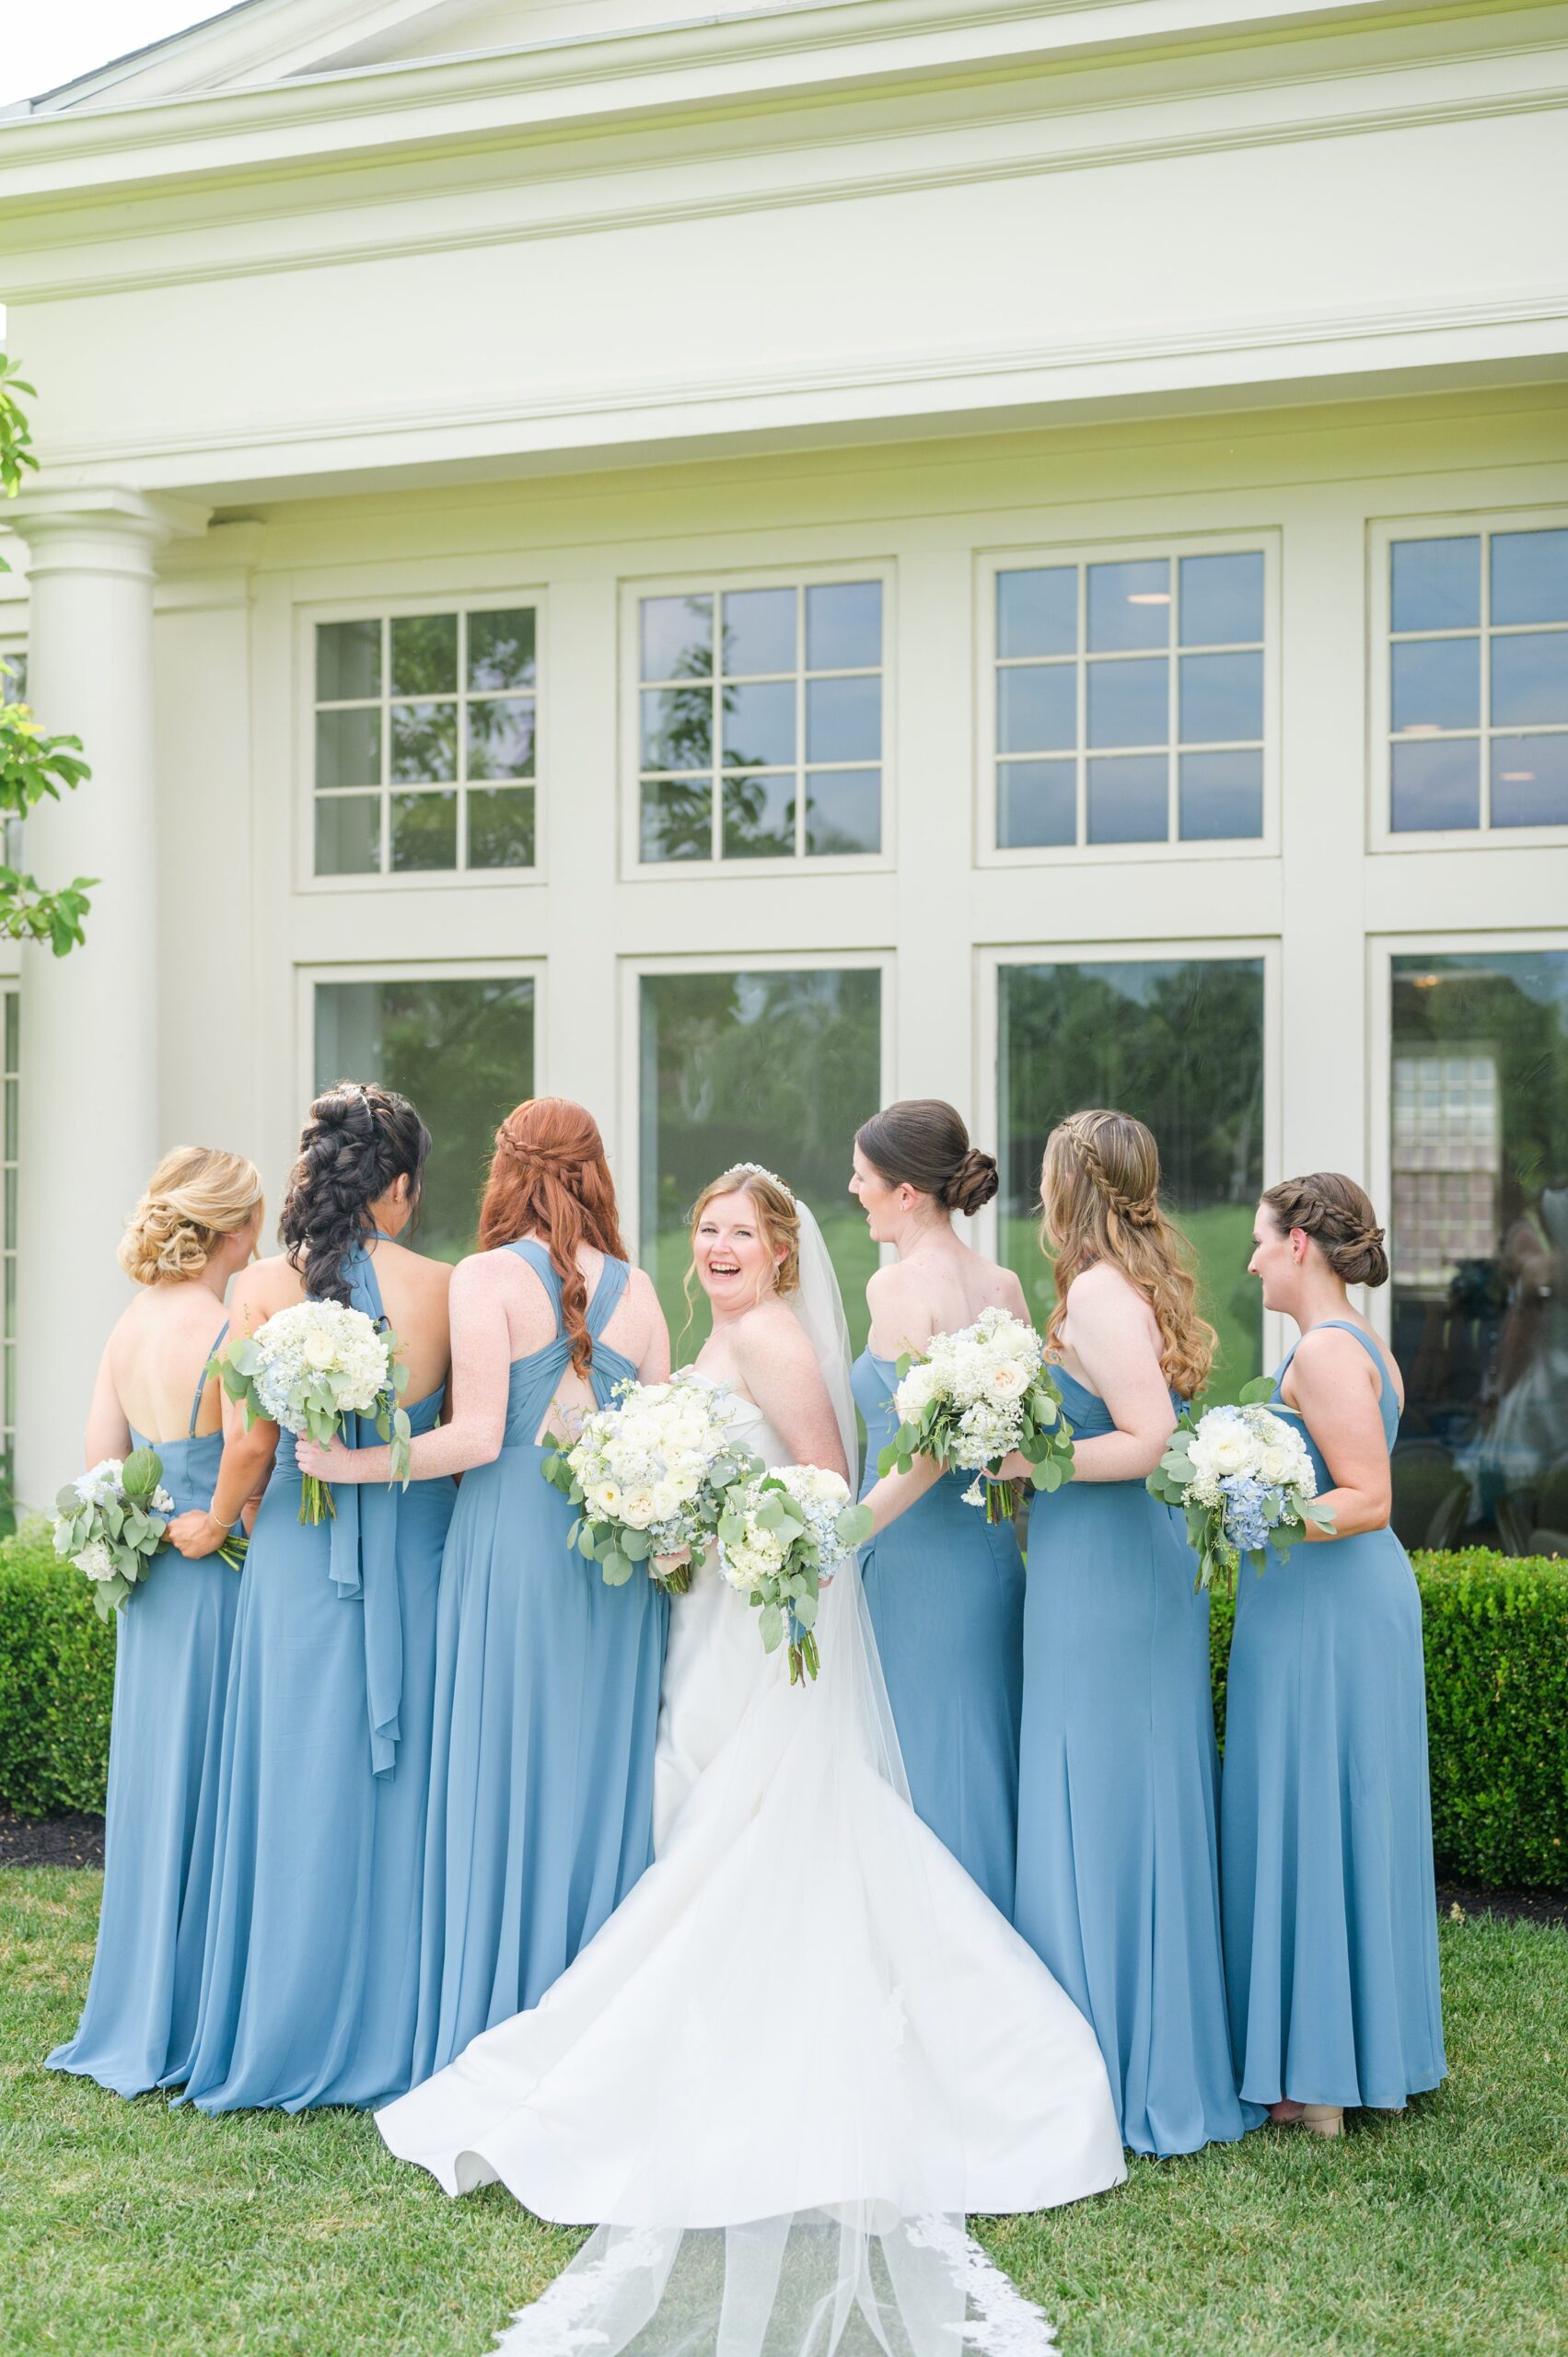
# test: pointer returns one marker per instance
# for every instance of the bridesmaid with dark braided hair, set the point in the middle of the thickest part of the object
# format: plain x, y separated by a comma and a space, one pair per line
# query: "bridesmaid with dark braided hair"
309, 1980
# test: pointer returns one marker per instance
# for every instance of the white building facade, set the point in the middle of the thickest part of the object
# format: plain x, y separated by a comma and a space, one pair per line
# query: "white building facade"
736, 569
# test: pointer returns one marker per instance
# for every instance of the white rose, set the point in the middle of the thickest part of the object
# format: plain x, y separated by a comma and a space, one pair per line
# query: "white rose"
1276, 1466
637, 1508
1231, 1452
319, 1351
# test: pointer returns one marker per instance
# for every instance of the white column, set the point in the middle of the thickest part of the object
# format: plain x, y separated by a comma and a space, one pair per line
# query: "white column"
90, 1036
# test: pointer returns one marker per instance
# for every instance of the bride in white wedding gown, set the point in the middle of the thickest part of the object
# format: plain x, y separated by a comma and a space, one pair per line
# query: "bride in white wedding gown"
806, 2044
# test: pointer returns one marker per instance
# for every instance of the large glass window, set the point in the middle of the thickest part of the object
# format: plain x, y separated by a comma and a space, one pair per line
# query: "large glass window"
775, 1067
1478, 681
1479, 1232
1129, 701
425, 734
760, 722
1179, 1043
462, 1050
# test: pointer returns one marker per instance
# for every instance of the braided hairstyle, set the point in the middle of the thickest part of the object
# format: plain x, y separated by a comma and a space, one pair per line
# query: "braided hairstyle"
1338, 1216
1099, 1195
922, 1143
549, 1177
358, 1140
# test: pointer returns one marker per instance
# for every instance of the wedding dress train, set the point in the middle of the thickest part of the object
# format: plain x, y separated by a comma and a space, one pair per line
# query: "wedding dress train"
804, 2046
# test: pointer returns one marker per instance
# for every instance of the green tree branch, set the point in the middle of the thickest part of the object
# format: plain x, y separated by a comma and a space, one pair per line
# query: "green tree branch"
32, 764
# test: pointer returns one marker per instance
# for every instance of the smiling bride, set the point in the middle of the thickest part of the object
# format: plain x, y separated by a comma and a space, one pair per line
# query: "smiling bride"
806, 2044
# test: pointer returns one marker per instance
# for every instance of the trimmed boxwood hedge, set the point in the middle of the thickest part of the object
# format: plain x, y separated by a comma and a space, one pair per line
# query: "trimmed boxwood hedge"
56, 1682
1496, 1637
1496, 1631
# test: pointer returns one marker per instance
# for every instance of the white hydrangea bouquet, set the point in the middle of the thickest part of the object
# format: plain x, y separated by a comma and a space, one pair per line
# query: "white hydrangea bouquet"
1244, 1479
649, 1475
310, 1367
781, 1534
111, 1521
971, 1399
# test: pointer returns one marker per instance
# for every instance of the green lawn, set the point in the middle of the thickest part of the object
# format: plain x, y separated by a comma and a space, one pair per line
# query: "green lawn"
129, 2228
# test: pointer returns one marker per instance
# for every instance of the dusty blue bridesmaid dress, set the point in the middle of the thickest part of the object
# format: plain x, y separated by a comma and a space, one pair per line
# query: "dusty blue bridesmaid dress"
171, 1662
547, 1697
1118, 1799
309, 1982
946, 1592
1330, 1915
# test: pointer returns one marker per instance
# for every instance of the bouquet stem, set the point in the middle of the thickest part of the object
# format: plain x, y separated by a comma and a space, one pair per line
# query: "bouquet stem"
1001, 1501
316, 1500
677, 1581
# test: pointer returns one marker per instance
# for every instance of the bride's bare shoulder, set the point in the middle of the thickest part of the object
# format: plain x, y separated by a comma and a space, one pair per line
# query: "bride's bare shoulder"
771, 1340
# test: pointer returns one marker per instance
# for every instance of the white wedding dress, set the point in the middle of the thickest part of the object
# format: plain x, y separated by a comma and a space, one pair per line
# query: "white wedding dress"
801, 2050
714, 1664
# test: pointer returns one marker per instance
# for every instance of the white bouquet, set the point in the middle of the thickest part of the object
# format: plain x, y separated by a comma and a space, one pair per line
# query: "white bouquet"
1244, 1477
310, 1367
111, 1523
780, 1535
650, 1476
971, 1399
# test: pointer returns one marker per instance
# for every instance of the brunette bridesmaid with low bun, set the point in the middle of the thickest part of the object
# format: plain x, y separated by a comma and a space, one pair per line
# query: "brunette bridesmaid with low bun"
1330, 1913
945, 1585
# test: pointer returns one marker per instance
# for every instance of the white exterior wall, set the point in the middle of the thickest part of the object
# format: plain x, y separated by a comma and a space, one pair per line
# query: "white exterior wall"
935, 285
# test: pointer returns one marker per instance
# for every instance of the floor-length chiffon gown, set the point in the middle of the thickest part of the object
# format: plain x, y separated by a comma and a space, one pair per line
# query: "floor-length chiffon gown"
546, 1702
946, 1592
172, 1644
311, 1979
1117, 1799
1330, 1913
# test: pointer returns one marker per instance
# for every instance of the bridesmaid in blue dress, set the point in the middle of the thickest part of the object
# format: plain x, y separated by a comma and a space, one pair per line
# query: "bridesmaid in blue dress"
547, 1688
310, 1976
945, 1587
1330, 1915
192, 1230
1117, 1876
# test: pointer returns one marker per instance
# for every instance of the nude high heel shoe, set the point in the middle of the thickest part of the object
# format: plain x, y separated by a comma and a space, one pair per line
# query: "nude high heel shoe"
1323, 2119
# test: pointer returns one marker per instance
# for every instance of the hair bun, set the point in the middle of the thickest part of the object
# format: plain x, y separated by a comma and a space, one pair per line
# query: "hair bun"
195, 1197
972, 1184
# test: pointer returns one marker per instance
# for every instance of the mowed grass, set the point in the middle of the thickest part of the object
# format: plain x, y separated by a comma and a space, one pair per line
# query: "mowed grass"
127, 2229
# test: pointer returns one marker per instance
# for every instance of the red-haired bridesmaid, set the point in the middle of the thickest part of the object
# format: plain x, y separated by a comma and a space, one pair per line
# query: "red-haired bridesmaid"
546, 1681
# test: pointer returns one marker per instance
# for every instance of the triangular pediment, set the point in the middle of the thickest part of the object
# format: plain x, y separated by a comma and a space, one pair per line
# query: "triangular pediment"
266, 41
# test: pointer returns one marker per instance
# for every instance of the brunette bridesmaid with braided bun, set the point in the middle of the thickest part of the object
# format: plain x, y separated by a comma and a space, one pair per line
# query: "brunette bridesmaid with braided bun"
1330, 1915
192, 1231
547, 1687
310, 1974
945, 1585
1117, 1784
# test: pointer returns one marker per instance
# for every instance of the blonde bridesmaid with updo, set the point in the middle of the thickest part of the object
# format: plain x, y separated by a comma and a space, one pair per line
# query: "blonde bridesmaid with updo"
192, 1230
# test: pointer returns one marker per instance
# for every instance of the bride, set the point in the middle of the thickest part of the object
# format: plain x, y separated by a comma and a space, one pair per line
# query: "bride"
806, 2044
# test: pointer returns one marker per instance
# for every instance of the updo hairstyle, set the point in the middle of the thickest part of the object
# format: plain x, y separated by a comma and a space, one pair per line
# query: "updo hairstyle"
549, 1177
194, 1197
922, 1143
358, 1140
1338, 1216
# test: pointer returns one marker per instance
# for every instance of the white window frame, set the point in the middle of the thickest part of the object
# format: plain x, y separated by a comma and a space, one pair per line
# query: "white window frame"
629, 1175
714, 581
1381, 534
375, 605
410, 970
1172, 546
989, 962
1382, 948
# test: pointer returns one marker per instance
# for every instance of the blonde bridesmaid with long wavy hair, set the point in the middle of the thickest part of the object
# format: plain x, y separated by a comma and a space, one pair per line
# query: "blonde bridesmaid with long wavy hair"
1118, 1887
192, 1231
